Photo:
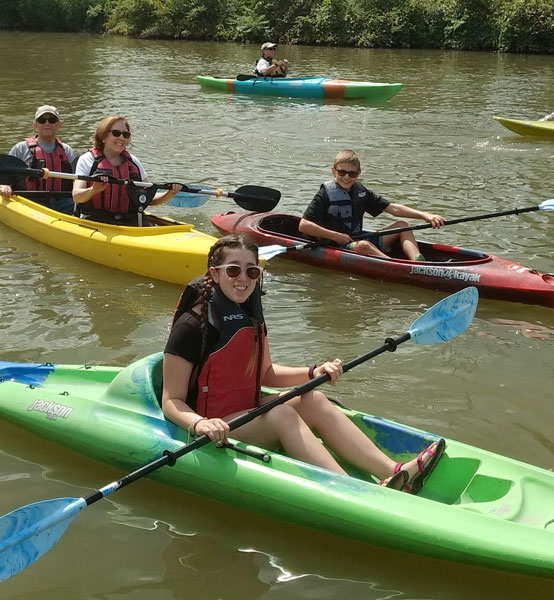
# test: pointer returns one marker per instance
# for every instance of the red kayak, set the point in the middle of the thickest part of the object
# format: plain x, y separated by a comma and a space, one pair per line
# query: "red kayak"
447, 268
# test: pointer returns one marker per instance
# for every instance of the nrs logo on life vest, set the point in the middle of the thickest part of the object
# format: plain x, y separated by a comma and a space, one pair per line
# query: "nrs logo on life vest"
52, 410
237, 317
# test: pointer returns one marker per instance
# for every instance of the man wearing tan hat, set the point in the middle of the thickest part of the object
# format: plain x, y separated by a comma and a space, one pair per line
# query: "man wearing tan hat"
44, 149
268, 66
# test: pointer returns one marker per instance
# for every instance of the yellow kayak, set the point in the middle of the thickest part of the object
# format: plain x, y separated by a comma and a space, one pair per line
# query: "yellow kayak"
169, 250
536, 128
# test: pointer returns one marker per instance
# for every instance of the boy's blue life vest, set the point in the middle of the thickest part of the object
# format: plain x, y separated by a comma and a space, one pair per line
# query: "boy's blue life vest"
341, 204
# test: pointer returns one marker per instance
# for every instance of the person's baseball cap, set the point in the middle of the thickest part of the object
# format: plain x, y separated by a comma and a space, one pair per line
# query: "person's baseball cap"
268, 45
43, 110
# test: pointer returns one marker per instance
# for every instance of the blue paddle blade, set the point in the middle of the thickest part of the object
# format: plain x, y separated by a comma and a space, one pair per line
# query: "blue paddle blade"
29, 532
188, 200
446, 319
547, 205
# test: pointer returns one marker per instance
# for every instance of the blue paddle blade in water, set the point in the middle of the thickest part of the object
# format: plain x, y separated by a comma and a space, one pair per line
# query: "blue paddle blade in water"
188, 200
29, 532
446, 319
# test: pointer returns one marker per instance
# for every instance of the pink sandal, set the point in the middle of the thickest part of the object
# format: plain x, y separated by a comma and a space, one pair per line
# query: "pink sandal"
399, 476
406, 487
427, 469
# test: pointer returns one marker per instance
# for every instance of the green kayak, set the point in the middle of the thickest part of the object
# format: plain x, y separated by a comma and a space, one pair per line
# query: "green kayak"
476, 507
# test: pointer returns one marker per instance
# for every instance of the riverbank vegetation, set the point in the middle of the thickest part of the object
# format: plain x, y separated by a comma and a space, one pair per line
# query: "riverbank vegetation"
501, 25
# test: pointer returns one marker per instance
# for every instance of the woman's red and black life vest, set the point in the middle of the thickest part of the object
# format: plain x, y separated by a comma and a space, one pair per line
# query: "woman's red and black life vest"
54, 161
229, 374
114, 199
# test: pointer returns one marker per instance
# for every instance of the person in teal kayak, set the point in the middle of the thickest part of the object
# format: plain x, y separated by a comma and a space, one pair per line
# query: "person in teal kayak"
337, 210
268, 65
217, 357
107, 202
46, 150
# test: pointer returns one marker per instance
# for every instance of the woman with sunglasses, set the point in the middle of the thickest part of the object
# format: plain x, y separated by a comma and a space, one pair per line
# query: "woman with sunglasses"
337, 210
217, 357
103, 201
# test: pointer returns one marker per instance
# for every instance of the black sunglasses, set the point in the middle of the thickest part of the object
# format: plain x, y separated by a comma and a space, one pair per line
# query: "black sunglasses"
117, 133
233, 271
52, 120
345, 172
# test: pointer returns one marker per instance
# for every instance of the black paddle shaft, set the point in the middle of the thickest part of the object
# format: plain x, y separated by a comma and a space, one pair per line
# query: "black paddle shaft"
169, 457
515, 211
250, 197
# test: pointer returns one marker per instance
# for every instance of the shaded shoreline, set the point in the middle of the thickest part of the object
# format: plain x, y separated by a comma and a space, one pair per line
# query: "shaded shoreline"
517, 26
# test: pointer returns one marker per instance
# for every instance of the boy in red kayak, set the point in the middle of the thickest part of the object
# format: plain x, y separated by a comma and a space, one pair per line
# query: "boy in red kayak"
336, 213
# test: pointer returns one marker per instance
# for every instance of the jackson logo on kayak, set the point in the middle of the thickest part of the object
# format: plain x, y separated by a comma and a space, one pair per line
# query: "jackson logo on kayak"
445, 273
52, 410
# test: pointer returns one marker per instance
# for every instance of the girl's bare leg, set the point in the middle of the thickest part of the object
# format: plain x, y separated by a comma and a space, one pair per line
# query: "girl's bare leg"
283, 427
346, 440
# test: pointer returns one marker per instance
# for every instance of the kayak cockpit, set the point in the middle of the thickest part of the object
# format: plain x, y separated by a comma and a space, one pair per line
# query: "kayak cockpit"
286, 226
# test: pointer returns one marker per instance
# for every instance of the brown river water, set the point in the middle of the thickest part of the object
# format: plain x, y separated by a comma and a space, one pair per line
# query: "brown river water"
434, 146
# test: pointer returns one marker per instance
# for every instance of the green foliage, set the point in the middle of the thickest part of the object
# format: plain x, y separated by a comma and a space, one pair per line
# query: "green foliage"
526, 26
44, 15
131, 17
469, 25
506, 25
248, 22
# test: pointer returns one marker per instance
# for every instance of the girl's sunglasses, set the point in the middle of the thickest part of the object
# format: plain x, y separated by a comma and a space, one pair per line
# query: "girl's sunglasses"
233, 271
344, 173
117, 133
52, 120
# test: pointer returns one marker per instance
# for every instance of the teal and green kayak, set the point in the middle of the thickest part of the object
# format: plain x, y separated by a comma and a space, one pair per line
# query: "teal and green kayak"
476, 507
303, 87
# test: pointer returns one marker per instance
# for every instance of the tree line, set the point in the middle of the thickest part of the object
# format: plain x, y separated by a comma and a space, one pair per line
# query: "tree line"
496, 25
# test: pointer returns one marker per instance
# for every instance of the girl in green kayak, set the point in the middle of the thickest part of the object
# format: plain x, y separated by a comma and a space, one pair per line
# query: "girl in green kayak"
217, 357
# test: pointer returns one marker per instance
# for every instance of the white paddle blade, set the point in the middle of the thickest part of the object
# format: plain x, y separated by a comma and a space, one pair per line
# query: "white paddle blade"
29, 532
547, 205
446, 319
268, 252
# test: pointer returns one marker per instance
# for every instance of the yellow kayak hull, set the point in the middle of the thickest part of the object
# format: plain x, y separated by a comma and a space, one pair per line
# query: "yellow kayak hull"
172, 251
536, 128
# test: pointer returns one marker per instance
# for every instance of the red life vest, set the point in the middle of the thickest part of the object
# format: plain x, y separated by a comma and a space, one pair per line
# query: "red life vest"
114, 198
229, 378
55, 161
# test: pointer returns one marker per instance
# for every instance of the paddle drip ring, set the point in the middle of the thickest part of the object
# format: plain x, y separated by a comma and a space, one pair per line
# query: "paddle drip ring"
171, 458
391, 344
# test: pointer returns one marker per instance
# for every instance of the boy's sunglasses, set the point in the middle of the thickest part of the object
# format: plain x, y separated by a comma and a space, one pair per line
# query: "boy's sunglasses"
117, 133
52, 120
344, 173
233, 271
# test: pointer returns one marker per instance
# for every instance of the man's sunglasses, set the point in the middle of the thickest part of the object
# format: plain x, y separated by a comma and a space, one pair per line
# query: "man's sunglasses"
345, 172
52, 120
117, 133
233, 271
